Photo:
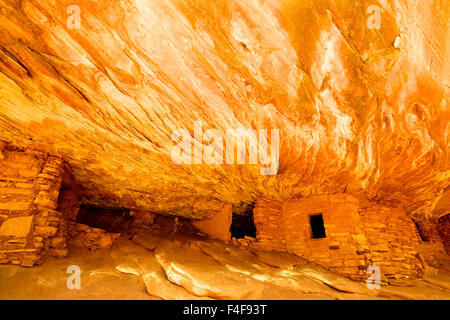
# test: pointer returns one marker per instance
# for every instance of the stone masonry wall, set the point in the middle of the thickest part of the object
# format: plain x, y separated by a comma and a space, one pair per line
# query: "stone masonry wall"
31, 227
82, 235
218, 225
268, 220
359, 233
344, 249
432, 245
393, 240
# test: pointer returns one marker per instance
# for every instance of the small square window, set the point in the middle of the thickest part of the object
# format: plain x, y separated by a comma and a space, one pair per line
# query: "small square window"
317, 226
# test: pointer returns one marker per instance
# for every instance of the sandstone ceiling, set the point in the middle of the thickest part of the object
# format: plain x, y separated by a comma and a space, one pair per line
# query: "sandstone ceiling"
359, 110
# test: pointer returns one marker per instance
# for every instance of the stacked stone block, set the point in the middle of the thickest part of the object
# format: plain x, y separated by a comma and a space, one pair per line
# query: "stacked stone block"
344, 249
31, 227
269, 224
359, 233
90, 238
432, 244
393, 240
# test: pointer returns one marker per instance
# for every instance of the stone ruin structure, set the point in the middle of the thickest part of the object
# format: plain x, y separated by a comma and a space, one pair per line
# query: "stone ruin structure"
90, 117
358, 233
31, 225
39, 204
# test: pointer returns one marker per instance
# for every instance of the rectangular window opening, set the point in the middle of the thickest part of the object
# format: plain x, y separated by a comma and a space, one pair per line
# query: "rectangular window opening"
317, 226
242, 223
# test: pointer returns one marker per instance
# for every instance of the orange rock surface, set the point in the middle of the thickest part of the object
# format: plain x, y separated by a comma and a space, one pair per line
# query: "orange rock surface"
198, 270
360, 110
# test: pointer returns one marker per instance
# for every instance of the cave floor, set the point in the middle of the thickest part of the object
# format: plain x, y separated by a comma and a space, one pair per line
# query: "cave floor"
151, 267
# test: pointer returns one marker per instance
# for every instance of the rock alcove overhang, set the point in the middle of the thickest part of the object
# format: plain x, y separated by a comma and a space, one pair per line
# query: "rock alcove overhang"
359, 110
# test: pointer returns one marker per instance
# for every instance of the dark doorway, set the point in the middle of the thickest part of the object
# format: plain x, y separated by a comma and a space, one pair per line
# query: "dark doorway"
242, 223
110, 220
317, 226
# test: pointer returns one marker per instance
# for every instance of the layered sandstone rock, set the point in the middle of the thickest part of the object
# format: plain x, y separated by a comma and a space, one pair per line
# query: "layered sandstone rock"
359, 108
218, 226
444, 228
155, 268
96, 98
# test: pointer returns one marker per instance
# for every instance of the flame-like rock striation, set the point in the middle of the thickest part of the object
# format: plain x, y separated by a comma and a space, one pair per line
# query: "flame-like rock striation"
360, 108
